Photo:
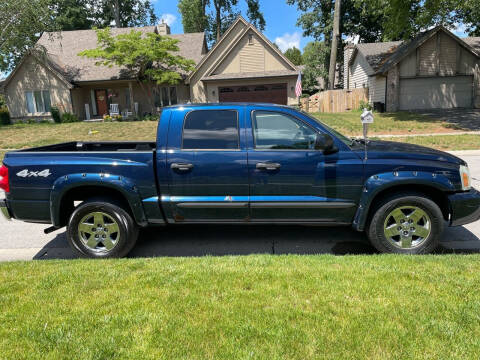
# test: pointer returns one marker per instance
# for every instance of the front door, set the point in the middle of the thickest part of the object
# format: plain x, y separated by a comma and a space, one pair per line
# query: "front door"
290, 181
101, 99
207, 166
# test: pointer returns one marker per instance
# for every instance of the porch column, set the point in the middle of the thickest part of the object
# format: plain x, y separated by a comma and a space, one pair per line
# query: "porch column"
130, 91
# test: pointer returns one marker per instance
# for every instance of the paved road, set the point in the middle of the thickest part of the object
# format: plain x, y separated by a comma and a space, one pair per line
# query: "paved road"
22, 241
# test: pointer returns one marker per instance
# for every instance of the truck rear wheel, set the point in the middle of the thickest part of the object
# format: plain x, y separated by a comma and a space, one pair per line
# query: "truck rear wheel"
99, 229
406, 224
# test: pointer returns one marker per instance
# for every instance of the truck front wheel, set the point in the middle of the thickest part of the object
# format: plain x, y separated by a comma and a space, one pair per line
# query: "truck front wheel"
98, 229
406, 224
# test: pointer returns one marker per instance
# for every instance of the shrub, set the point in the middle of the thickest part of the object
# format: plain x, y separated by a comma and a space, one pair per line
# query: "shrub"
69, 118
2, 101
5, 116
365, 105
150, 117
56, 114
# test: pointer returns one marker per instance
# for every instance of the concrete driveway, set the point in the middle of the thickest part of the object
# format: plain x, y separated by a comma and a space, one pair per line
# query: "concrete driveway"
466, 119
22, 241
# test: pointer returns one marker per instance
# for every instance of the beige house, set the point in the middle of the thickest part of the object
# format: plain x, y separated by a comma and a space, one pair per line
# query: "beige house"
242, 66
434, 70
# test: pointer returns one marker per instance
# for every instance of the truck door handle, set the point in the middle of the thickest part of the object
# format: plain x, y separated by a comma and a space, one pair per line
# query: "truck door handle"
268, 166
181, 167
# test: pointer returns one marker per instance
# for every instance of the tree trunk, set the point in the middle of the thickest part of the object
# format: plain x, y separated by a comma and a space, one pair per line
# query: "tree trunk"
218, 19
116, 11
334, 48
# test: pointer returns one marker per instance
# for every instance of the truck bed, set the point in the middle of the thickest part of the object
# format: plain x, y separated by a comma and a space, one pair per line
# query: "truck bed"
95, 146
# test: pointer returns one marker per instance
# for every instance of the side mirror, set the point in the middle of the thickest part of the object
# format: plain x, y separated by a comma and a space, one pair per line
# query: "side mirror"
325, 143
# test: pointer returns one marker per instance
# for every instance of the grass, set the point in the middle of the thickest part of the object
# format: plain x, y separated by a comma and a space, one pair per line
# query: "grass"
386, 123
19, 136
250, 307
445, 142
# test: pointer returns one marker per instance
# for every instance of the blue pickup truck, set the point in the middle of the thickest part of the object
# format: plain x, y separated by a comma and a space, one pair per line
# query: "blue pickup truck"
239, 163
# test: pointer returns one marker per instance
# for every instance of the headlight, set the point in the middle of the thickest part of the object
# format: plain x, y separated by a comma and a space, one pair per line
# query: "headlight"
465, 177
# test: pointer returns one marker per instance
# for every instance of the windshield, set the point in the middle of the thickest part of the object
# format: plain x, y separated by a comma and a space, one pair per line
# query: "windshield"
343, 138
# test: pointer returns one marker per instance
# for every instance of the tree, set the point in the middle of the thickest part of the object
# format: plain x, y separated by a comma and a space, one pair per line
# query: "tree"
216, 16
124, 13
149, 59
254, 15
315, 56
21, 24
194, 18
72, 15
294, 55
335, 41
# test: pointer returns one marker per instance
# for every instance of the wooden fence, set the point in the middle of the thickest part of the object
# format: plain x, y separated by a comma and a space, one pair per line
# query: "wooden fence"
335, 100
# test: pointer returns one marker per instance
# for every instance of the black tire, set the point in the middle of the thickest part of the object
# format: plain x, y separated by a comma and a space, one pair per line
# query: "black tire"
376, 233
127, 229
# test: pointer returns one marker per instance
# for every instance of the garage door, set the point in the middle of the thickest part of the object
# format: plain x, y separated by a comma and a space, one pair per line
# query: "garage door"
436, 93
273, 93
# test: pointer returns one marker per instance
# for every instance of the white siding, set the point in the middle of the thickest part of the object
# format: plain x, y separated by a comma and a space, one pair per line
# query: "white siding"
408, 66
376, 89
359, 73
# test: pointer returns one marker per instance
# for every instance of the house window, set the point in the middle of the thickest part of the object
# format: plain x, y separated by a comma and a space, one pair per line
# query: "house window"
250, 39
38, 101
164, 96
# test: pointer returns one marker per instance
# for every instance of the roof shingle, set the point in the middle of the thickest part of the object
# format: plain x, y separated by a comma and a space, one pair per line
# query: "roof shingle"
62, 49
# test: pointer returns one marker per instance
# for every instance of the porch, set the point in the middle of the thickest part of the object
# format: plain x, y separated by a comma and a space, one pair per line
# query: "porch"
93, 100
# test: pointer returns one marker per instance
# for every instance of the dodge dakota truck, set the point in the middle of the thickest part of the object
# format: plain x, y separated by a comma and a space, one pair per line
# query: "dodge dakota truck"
239, 163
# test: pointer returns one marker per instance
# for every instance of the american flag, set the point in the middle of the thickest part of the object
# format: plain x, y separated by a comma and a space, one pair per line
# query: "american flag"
298, 86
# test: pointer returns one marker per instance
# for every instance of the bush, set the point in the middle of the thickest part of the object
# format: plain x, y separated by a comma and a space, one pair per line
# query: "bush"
365, 105
5, 116
56, 114
69, 118
150, 117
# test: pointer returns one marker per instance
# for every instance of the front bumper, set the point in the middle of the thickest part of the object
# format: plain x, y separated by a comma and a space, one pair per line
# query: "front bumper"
4, 209
464, 207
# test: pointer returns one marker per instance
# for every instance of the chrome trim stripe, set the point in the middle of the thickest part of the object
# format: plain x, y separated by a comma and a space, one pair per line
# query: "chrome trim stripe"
216, 205
299, 205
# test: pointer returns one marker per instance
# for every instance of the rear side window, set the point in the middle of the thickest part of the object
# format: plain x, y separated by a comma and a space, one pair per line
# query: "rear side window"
211, 129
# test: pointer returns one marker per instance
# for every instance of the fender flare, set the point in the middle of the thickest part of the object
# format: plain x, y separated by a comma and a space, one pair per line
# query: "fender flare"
380, 182
121, 184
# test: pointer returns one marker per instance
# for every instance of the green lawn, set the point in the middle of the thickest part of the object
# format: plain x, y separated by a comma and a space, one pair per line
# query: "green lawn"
28, 135
242, 307
444, 142
386, 123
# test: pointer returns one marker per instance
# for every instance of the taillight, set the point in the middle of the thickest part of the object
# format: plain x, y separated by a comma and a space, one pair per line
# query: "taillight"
4, 179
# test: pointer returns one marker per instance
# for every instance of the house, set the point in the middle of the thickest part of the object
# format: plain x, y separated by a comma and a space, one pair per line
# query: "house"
243, 66
436, 69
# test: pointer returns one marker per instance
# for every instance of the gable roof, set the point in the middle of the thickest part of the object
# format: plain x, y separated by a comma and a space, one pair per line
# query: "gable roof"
248, 27
46, 62
63, 47
381, 57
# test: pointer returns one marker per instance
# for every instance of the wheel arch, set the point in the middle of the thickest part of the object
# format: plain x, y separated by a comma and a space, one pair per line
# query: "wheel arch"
377, 188
81, 187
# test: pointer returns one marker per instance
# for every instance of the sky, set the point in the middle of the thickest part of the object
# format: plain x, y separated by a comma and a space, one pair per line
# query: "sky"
280, 18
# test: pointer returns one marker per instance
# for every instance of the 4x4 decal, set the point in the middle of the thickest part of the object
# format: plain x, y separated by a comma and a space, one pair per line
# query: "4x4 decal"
26, 173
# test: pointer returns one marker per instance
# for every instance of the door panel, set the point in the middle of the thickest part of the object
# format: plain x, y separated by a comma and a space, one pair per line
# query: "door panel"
207, 184
306, 185
436, 92
273, 93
